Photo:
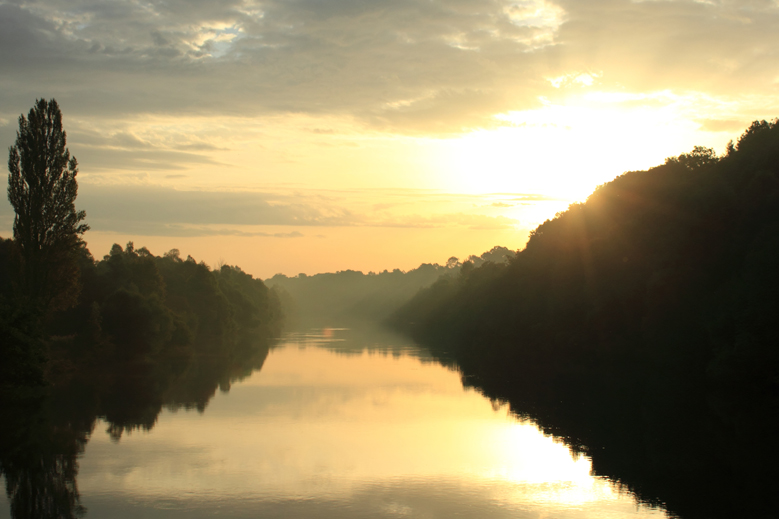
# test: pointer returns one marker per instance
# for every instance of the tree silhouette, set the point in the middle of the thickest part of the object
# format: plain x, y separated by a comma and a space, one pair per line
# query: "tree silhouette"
652, 303
42, 189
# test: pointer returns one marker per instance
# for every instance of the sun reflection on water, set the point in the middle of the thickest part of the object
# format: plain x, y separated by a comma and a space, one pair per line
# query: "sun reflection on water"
370, 432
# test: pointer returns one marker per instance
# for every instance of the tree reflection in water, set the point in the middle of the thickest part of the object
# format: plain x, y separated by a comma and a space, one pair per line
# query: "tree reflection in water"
653, 432
41, 437
39, 462
665, 449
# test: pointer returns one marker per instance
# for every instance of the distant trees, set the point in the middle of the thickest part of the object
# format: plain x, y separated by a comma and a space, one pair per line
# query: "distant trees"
42, 189
348, 296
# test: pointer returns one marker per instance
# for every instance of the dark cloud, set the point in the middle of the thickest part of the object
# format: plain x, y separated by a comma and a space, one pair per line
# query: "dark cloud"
435, 66
395, 64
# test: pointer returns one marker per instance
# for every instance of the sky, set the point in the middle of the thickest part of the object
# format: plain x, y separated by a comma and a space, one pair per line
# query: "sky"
322, 135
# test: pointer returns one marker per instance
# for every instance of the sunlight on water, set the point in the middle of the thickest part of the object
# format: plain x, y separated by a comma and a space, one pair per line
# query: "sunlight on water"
329, 429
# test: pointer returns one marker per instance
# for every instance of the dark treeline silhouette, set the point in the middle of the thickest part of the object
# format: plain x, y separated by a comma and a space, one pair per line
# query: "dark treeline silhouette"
42, 189
147, 333
134, 307
347, 297
116, 339
59, 308
641, 327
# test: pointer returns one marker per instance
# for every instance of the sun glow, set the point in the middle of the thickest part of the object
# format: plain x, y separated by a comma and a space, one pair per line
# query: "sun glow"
566, 150
354, 184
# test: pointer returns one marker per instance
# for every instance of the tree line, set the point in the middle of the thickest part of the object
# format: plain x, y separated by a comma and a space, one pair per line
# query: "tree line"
61, 309
640, 326
116, 339
42, 436
353, 297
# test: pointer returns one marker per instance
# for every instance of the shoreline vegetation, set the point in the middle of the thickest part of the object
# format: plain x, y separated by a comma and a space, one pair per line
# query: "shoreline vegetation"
640, 327
135, 308
115, 340
59, 308
148, 333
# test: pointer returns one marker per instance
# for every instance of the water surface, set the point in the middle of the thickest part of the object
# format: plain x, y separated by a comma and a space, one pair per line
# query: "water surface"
343, 423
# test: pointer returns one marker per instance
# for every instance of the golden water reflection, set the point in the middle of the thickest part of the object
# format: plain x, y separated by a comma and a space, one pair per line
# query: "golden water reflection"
340, 432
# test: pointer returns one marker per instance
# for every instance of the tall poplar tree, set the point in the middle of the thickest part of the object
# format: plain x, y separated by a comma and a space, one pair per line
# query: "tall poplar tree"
42, 189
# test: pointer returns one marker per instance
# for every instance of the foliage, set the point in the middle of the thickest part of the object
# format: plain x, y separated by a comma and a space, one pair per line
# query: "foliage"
135, 305
21, 348
42, 189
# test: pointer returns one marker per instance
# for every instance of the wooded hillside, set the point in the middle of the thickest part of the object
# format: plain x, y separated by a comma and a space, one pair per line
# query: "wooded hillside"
655, 300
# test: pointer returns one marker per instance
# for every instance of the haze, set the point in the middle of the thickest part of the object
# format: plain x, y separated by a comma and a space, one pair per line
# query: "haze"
309, 136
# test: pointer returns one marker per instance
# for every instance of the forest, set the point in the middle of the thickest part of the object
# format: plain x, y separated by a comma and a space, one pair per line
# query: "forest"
61, 310
147, 334
349, 296
115, 340
144, 333
640, 327
135, 307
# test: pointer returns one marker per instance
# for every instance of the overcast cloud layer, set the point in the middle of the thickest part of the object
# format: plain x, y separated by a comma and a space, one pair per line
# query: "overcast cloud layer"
406, 65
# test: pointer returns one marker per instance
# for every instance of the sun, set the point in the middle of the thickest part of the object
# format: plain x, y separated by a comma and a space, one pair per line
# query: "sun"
569, 149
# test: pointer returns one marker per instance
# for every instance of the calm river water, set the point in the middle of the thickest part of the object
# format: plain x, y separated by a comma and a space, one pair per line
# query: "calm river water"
341, 424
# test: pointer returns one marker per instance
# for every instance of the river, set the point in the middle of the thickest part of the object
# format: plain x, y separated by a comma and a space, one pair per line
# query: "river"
341, 423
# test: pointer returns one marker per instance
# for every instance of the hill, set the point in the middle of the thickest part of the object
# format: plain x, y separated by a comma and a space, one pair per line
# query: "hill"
640, 327
348, 296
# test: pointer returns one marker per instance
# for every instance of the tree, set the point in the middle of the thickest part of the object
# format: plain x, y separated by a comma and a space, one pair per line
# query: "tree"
42, 189
699, 157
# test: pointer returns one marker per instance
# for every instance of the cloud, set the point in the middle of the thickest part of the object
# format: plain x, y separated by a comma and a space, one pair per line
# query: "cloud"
532, 197
158, 211
401, 64
719, 125
470, 221
404, 66
105, 159
185, 231
154, 208
722, 48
